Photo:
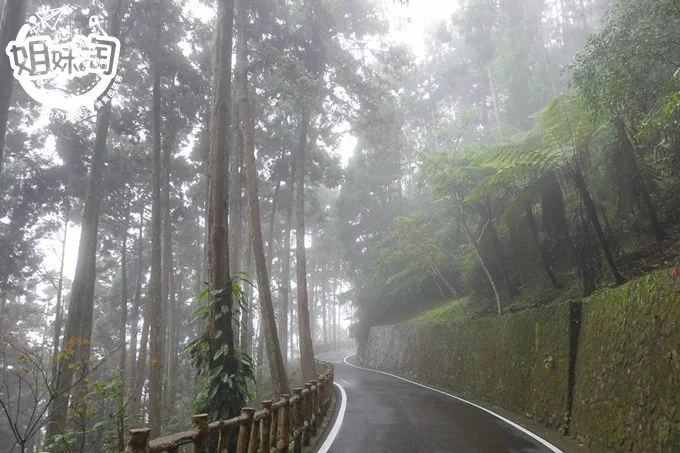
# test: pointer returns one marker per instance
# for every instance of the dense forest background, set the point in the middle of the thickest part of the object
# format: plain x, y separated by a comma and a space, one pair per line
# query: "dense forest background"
283, 174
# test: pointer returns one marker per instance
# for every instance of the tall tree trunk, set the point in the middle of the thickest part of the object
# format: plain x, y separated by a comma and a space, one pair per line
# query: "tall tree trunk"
305, 336
272, 223
12, 18
284, 297
237, 224
78, 329
594, 219
246, 328
167, 281
336, 313
475, 244
220, 328
60, 290
122, 329
503, 264
311, 297
134, 322
494, 101
638, 180
156, 332
141, 370
534, 234
267, 317
324, 304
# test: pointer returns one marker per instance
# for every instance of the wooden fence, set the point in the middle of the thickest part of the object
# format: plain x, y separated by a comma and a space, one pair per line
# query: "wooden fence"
291, 419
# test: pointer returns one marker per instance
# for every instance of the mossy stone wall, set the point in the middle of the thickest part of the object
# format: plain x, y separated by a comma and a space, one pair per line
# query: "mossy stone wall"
627, 394
627, 370
518, 361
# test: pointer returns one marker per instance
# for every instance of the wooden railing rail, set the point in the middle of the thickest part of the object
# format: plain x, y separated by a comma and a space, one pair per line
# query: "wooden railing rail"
269, 430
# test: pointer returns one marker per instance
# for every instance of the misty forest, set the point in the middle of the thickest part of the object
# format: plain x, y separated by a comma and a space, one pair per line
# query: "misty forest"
277, 179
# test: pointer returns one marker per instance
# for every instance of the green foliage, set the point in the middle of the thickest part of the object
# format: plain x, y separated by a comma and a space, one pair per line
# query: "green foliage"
216, 386
445, 314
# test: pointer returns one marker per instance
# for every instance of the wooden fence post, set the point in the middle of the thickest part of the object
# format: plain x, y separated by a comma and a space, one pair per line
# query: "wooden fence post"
284, 425
298, 422
201, 441
255, 436
307, 415
244, 431
322, 395
274, 430
223, 442
315, 406
266, 426
139, 441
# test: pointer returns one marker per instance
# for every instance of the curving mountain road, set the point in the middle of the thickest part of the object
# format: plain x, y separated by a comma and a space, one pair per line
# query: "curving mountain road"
386, 414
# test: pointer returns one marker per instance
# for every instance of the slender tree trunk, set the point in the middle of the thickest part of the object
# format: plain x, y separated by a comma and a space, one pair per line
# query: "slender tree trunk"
284, 300
534, 234
60, 290
134, 322
78, 330
494, 101
168, 301
141, 362
475, 245
156, 332
547, 67
272, 223
122, 330
220, 328
238, 229
311, 297
324, 303
267, 317
12, 18
246, 328
305, 336
334, 307
594, 219
638, 179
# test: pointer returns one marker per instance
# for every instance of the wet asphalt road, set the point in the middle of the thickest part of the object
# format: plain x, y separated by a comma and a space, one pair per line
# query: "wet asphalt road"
387, 415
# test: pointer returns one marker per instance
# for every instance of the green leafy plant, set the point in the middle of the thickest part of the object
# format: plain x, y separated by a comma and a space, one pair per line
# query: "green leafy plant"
217, 387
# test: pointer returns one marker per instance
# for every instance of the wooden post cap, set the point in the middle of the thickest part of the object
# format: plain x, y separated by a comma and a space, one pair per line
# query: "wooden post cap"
200, 421
139, 440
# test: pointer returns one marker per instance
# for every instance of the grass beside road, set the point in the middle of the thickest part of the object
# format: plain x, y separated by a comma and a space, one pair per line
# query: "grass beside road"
453, 311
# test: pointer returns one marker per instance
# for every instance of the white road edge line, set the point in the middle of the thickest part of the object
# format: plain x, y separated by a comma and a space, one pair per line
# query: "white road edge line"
325, 447
544, 442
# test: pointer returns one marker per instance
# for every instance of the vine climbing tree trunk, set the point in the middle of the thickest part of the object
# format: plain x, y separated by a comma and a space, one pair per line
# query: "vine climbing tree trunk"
220, 328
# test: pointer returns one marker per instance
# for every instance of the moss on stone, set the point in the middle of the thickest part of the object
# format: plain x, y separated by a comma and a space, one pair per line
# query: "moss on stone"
627, 394
627, 380
519, 361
